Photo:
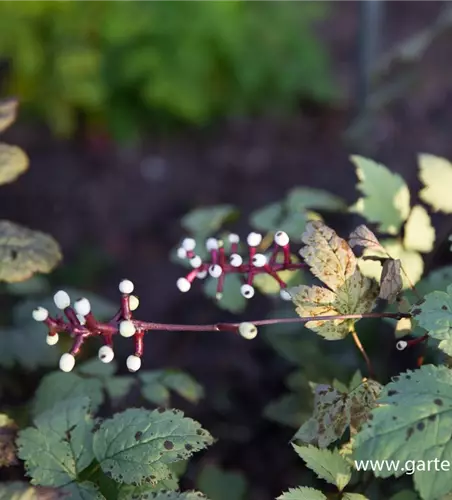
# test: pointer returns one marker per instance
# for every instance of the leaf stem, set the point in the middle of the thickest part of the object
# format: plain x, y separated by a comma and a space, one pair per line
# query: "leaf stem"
362, 351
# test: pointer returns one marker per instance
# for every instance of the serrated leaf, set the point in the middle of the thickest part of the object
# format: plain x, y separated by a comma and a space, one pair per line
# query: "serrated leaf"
83, 491
20, 490
391, 283
419, 232
302, 198
137, 445
219, 484
8, 112
232, 300
413, 421
436, 175
58, 448
362, 236
207, 220
60, 386
327, 465
386, 198
13, 163
24, 252
353, 496
8, 432
302, 493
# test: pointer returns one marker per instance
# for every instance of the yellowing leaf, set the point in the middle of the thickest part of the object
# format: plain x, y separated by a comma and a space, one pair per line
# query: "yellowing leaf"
8, 112
391, 281
436, 175
8, 434
24, 252
362, 236
13, 162
386, 198
419, 232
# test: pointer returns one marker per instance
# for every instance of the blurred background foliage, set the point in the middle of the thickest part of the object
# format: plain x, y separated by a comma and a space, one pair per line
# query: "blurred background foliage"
123, 65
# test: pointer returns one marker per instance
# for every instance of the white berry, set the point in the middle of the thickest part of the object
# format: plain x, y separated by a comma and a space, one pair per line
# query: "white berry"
248, 330
40, 314
282, 238
235, 260
133, 363
182, 253
401, 345
126, 328
183, 284
126, 286
201, 274
247, 291
134, 302
106, 354
211, 244
284, 294
188, 244
62, 299
196, 261
67, 362
234, 238
259, 260
82, 306
254, 239
215, 271
52, 339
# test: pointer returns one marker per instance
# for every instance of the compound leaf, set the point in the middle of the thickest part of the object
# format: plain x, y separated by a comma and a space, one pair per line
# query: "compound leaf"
59, 447
386, 198
302, 493
13, 162
419, 232
436, 175
137, 445
8, 112
83, 491
328, 465
413, 420
24, 252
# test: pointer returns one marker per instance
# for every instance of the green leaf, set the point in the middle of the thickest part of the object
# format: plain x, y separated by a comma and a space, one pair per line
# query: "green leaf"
118, 387
435, 315
202, 222
436, 175
83, 491
419, 232
268, 217
412, 422
302, 493
302, 198
20, 490
137, 445
328, 465
184, 385
94, 368
268, 285
353, 496
59, 447
169, 495
289, 409
37, 284
405, 495
219, 484
156, 393
232, 300
439, 279
60, 386
386, 198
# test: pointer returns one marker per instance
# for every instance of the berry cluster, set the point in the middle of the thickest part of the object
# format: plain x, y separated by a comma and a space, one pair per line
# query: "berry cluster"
220, 264
79, 322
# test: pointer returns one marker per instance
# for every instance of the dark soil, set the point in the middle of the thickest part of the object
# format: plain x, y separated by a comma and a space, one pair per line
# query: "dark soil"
127, 204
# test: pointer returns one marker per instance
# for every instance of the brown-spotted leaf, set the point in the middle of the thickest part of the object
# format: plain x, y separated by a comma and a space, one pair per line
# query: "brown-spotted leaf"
8, 112
330, 257
391, 283
362, 236
8, 432
13, 162
24, 252
360, 402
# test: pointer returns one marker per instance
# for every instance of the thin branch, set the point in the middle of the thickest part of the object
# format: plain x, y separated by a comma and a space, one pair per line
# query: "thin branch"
362, 351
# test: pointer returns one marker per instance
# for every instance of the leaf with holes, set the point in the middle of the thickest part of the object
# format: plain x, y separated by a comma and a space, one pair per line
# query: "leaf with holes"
331, 260
435, 315
328, 465
302, 493
436, 175
137, 445
24, 252
413, 420
8, 112
386, 199
362, 236
391, 283
59, 446
13, 162
419, 232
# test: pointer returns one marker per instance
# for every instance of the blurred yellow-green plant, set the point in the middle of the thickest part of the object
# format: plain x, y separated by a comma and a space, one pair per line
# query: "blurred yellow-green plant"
128, 63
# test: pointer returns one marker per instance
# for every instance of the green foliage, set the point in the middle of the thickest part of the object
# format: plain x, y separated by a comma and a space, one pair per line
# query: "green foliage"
219, 484
302, 493
121, 62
